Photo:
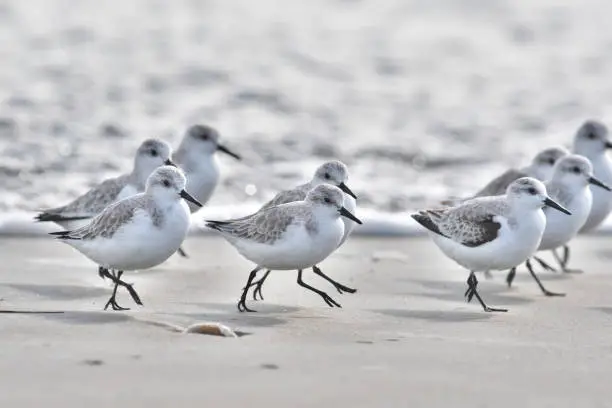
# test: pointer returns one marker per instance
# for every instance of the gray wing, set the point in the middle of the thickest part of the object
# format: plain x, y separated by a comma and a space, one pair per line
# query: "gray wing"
469, 224
499, 185
108, 221
288, 196
89, 204
265, 226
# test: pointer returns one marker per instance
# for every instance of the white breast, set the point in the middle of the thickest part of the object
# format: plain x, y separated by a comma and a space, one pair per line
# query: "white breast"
351, 205
602, 199
202, 179
560, 227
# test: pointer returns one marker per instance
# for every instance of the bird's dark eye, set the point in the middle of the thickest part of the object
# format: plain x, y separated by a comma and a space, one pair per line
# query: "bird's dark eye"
154, 153
204, 136
166, 183
576, 169
551, 161
591, 135
532, 191
327, 200
327, 176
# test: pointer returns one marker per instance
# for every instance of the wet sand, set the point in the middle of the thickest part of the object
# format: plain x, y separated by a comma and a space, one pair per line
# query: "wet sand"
406, 337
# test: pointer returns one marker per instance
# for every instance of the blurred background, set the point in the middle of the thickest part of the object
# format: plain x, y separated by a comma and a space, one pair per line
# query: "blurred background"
421, 99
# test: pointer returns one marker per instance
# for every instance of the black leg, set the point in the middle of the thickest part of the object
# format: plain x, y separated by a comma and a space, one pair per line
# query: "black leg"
242, 307
510, 277
542, 288
182, 252
130, 289
472, 291
259, 285
544, 264
339, 287
566, 255
563, 260
330, 302
118, 281
103, 274
113, 301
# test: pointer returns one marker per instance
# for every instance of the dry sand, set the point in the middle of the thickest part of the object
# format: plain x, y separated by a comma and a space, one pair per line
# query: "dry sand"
406, 338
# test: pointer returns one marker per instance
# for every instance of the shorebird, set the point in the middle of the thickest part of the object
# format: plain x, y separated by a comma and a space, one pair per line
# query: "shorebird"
491, 233
290, 236
591, 141
332, 172
569, 186
138, 232
196, 155
151, 154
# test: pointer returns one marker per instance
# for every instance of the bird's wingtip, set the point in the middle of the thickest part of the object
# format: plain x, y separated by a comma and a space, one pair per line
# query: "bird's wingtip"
212, 224
63, 235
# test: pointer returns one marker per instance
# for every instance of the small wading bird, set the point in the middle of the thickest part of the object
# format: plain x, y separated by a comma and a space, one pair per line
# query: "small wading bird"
569, 186
335, 173
491, 233
592, 141
292, 236
196, 156
151, 154
138, 232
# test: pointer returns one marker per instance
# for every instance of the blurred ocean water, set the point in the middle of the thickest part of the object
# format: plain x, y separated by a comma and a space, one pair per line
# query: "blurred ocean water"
421, 99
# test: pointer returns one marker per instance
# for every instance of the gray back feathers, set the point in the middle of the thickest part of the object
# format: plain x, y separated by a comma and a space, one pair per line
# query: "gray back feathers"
109, 221
95, 200
268, 225
471, 224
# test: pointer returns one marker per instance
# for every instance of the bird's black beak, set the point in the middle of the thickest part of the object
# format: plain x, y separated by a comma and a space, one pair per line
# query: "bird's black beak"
347, 190
169, 162
228, 151
598, 183
556, 206
346, 213
189, 198
608, 144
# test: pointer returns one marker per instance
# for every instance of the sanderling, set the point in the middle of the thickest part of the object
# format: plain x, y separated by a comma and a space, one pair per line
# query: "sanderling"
290, 236
196, 156
335, 173
540, 168
591, 141
569, 186
138, 232
151, 154
491, 233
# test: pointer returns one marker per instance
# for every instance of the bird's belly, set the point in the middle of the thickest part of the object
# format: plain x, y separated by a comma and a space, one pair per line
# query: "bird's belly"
299, 250
139, 246
511, 248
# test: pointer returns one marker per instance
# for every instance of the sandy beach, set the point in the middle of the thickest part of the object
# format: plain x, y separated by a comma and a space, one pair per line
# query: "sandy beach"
406, 337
